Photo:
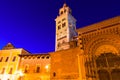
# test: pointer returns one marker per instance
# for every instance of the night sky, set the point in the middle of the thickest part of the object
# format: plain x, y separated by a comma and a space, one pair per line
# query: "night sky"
30, 24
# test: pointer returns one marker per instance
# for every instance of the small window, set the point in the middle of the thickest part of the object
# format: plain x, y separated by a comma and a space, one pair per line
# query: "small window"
3, 70
37, 69
47, 57
54, 74
26, 69
65, 11
81, 48
6, 59
29, 57
1, 59
64, 24
25, 57
59, 27
33, 57
58, 44
10, 72
14, 58
59, 22
63, 19
38, 57
61, 12
42, 57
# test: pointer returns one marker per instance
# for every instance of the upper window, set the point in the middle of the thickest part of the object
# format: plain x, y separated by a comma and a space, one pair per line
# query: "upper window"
59, 27
59, 22
14, 58
65, 11
1, 59
47, 57
38, 57
64, 24
63, 19
42, 57
61, 12
6, 59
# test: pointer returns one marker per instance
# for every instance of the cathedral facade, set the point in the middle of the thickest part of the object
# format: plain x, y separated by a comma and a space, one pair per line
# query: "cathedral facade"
96, 55
88, 53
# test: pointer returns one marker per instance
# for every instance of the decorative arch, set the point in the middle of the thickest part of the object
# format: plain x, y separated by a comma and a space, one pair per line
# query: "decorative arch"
102, 55
113, 40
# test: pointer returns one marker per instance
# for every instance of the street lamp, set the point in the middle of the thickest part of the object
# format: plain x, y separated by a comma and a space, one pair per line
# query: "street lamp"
19, 74
46, 67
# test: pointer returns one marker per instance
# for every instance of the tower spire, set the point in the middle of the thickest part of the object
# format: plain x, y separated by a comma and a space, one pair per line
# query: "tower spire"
65, 28
65, 4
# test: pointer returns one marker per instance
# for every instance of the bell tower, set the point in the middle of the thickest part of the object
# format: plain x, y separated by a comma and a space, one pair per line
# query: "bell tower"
65, 28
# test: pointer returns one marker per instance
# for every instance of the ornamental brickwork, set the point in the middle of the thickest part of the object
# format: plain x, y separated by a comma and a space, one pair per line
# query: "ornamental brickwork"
101, 45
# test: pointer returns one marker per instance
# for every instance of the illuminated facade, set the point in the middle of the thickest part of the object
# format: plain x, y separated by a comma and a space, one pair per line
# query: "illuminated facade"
65, 28
18, 64
93, 55
101, 45
9, 62
96, 56
35, 66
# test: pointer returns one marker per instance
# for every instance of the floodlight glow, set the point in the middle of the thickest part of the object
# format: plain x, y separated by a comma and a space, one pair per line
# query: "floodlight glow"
46, 66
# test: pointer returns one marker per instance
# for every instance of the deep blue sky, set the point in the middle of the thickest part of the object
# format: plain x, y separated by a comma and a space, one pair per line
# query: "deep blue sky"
30, 24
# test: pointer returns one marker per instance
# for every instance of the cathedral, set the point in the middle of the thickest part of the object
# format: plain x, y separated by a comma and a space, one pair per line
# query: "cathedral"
88, 53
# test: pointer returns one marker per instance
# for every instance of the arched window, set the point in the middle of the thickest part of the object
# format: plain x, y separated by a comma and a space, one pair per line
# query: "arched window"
11, 69
47, 57
65, 11
58, 45
54, 74
61, 12
64, 24
59, 27
6, 59
26, 69
37, 69
1, 59
3, 70
14, 58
